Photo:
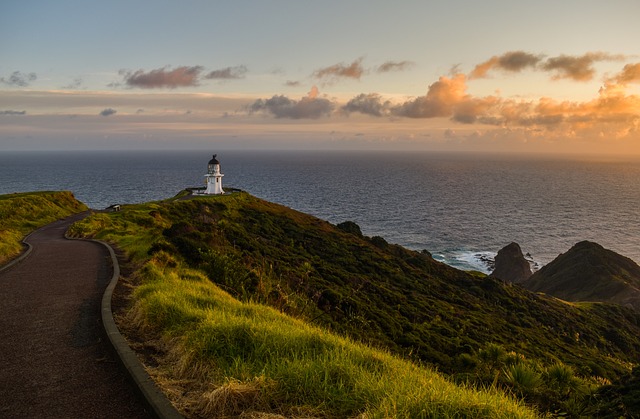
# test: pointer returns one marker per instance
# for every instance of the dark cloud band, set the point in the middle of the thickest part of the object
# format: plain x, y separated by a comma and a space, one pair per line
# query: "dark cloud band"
573, 67
309, 107
338, 71
228, 73
163, 77
19, 79
108, 112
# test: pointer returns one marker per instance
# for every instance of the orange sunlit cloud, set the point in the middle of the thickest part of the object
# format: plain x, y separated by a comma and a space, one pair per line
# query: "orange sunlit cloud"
613, 113
629, 74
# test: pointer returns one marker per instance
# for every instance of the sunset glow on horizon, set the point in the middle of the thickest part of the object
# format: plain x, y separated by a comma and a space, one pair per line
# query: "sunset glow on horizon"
542, 78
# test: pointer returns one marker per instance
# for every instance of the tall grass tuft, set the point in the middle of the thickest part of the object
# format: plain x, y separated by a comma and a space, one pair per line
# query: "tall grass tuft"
562, 378
232, 399
523, 377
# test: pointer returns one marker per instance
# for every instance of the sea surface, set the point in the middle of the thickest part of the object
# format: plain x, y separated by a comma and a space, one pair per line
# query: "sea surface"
461, 208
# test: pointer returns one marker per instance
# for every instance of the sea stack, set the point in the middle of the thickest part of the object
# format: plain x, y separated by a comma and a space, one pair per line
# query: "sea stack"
511, 265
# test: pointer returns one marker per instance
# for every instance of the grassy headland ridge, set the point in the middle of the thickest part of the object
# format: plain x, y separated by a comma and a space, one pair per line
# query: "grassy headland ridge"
21, 213
589, 272
209, 267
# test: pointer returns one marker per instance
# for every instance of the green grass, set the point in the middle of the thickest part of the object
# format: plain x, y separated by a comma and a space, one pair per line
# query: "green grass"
287, 365
136, 228
472, 327
21, 213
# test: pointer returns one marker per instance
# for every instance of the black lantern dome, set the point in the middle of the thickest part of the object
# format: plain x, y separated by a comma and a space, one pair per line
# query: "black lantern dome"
214, 166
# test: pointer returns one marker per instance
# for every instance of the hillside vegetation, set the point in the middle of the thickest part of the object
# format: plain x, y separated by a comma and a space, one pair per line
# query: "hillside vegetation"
248, 357
589, 272
480, 330
21, 213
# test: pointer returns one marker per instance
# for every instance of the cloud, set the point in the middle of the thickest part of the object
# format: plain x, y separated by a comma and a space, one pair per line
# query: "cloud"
19, 79
629, 74
108, 112
10, 112
368, 104
292, 83
579, 68
332, 73
75, 84
513, 61
439, 101
313, 93
309, 107
163, 77
612, 114
92, 102
228, 73
450, 134
356, 70
471, 110
390, 66
448, 98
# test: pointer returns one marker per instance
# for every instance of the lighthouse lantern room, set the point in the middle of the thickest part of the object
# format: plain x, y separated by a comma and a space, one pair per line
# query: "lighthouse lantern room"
213, 178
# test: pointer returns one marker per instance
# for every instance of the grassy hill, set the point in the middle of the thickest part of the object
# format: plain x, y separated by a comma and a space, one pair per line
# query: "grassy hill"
480, 330
589, 272
21, 213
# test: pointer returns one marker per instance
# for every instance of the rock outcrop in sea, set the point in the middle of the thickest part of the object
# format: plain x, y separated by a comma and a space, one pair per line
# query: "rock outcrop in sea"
511, 265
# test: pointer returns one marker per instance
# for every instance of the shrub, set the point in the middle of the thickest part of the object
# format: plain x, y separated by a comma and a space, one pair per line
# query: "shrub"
523, 378
350, 227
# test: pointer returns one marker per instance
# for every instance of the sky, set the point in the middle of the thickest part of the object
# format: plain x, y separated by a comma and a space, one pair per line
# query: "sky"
556, 77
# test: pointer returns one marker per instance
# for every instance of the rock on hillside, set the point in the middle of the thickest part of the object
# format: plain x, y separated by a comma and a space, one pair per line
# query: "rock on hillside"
589, 272
510, 264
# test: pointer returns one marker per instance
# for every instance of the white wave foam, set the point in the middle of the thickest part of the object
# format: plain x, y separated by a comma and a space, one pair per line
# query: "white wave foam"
467, 260
482, 261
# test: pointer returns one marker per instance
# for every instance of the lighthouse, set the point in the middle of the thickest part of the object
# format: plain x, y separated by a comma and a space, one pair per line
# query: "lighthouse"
213, 178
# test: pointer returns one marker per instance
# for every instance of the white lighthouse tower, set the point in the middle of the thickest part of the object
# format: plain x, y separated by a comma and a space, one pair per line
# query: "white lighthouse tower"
213, 178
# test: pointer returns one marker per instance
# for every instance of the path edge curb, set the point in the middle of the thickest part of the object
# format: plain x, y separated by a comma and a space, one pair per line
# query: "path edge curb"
157, 401
21, 257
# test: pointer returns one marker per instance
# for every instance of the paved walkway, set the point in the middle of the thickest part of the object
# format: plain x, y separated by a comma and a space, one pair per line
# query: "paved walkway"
55, 359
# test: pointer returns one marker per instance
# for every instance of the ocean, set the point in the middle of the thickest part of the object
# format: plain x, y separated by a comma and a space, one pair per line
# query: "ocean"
461, 208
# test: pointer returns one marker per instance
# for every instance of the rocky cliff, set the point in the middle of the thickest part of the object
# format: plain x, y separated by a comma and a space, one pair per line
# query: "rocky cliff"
511, 265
